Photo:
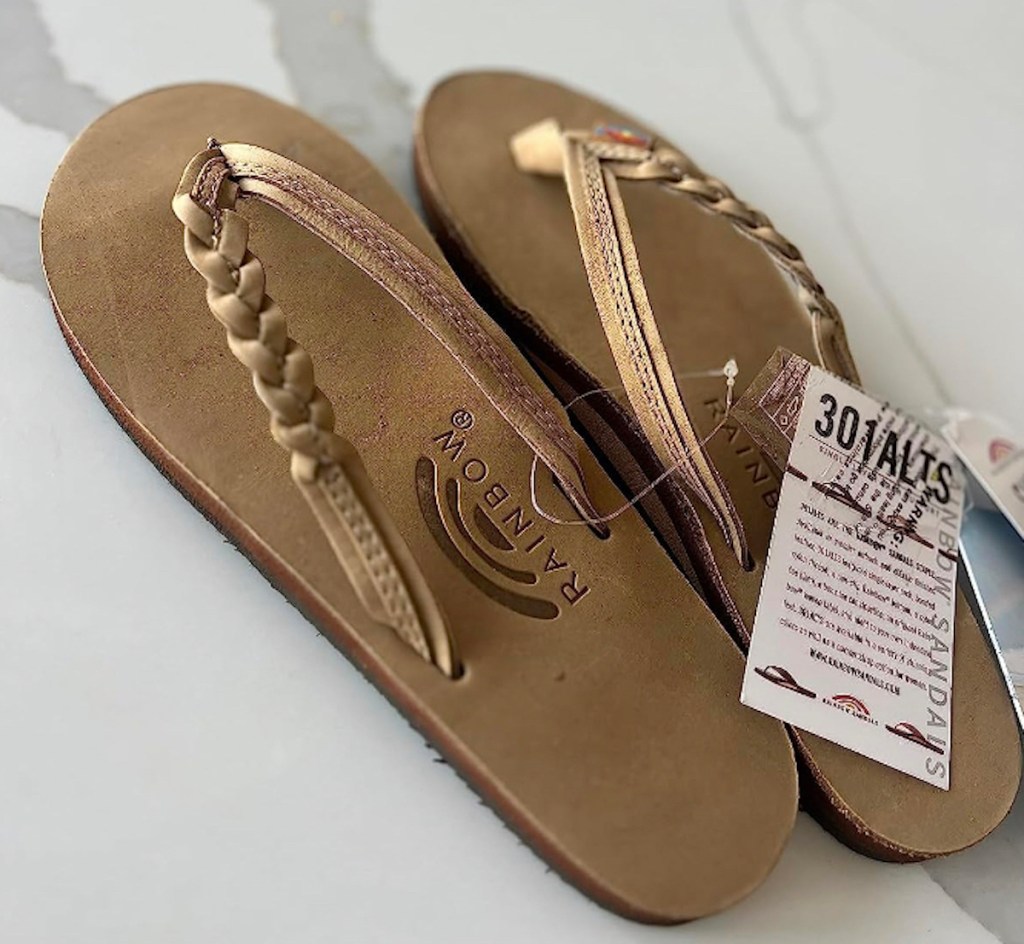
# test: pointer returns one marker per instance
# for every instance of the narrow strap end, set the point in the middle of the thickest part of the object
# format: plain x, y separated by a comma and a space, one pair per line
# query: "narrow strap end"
576, 493
379, 565
197, 170
538, 149
204, 188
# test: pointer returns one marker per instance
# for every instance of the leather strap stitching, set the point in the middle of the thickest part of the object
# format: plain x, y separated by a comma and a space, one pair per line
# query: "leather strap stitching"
590, 185
430, 281
482, 344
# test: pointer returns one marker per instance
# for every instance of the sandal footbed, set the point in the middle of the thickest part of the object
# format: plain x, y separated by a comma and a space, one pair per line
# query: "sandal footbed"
717, 295
610, 737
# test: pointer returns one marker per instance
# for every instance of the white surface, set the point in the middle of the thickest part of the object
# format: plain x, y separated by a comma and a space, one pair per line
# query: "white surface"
183, 758
120, 49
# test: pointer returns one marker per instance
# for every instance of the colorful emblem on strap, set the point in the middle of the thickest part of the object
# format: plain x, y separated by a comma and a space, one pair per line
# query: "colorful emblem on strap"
621, 135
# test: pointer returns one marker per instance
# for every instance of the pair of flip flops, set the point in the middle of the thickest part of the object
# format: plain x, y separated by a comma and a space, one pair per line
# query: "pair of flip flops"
434, 511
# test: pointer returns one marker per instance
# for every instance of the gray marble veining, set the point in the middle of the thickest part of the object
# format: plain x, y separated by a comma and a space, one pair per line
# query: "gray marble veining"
344, 82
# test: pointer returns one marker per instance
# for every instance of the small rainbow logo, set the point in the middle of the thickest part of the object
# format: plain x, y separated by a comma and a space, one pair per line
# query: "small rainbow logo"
999, 449
853, 703
621, 135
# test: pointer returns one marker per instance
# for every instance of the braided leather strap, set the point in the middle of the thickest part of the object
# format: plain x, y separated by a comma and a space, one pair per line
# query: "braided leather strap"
431, 295
715, 197
633, 156
324, 466
592, 163
589, 165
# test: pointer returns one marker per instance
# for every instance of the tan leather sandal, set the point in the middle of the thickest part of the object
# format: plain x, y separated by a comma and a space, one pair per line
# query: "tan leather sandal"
565, 670
684, 277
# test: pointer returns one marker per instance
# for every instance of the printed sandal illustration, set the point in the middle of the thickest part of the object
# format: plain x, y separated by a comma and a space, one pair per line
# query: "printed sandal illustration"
899, 523
841, 494
623, 270
784, 679
908, 732
580, 715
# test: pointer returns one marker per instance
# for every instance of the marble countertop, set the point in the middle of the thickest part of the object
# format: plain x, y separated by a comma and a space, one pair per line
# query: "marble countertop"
180, 768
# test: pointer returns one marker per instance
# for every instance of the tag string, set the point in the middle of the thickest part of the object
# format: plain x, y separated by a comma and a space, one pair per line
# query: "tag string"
729, 371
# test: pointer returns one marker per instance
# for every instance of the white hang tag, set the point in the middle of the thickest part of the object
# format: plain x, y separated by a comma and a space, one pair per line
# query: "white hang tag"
853, 636
994, 459
992, 539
